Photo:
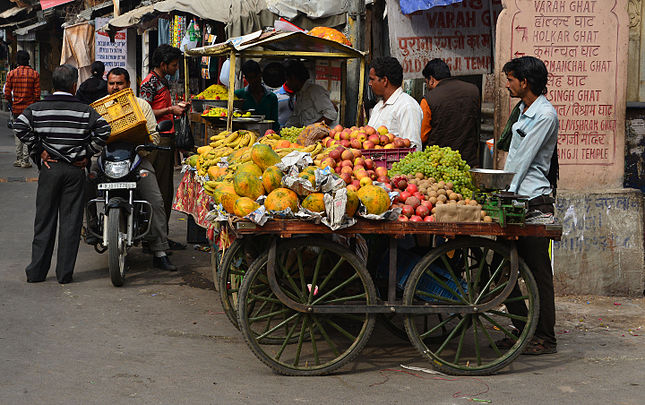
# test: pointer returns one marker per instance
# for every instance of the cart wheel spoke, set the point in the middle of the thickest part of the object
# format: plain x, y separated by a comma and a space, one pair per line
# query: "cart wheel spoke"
465, 342
312, 343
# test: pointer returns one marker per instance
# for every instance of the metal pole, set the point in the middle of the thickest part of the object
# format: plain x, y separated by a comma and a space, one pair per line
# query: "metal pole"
356, 24
231, 91
361, 89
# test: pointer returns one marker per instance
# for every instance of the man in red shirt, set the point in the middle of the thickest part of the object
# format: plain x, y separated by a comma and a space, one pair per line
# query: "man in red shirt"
156, 91
21, 90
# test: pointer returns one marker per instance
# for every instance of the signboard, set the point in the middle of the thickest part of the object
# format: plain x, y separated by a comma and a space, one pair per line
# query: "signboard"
112, 54
45, 4
583, 44
459, 34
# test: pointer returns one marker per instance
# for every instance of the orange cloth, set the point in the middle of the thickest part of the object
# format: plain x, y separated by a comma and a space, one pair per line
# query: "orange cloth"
425, 123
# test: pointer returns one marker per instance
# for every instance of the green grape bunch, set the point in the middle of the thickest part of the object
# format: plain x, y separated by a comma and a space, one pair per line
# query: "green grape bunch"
290, 133
442, 164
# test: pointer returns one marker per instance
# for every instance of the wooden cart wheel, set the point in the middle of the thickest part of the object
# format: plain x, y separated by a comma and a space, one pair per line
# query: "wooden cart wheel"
309, 271
464, 276
235, 262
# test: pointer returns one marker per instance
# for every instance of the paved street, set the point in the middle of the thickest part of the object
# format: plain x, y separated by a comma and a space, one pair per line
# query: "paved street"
163, 338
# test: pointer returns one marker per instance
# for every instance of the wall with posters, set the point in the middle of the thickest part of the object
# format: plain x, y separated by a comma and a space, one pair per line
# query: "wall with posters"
112, 54
459, 34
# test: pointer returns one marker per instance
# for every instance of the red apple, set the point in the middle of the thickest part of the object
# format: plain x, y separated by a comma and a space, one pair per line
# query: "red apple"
412, 188
362, 137
359, 174
352, 187
403, 218
338, 128
384, 140
375, 139
335, 154
416, 218
382, 130
369, 164
407, 210
406, 142
357, 153
404, 196
347, 177
359, 161
429, 218
422, 211
337, 169
398, 143
344, 135
427, 204
372, 174
368, 145
355, 143
420, 196
381, 171
369, 130
329, 162
346, 169
388, 186
345, 143
346, 163
347, 155
383, 179
356, 183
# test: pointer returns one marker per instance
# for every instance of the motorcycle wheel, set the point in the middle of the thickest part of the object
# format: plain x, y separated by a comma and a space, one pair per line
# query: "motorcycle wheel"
117, 246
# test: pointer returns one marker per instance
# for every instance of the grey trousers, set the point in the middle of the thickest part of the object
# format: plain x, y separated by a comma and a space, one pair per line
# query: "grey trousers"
22, 153
148, 189
59, 199
164, 164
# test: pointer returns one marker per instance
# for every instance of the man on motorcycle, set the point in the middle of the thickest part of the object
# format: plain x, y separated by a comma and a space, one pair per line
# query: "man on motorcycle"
147, 186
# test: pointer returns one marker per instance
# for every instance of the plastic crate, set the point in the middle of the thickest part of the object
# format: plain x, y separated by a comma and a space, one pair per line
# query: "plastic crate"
199, 105
386, 157
121, 110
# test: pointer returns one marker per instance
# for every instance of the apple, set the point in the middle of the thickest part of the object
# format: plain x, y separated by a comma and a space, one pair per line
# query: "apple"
353, 128
337, 169
378, 147
413, 202
338, 128
268, 132
369, 164
384, 179
365, 181
406, 142
359, 167
360, 174
346, 163
402, 184
344, 135
381, 171
419, 195
422, 211
398, 143
375, 139
329, 162
362, 137
412, 188
416, 218
372, 174
355, 143
389, 146
347, 155
337, 136
346, 169
403, 218
347, 177
390, 137
382, 130
356, 183
332, 133
404, 196
345, 143
352, 187
388, 186
357, 153
407, 210
354, 134
384, 139
335, 154
359, 161
427, 204
369, 130
368, 145
429, 218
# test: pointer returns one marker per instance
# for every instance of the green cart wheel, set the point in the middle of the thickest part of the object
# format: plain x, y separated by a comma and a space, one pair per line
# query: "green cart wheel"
482, 300
235, 263
310, 271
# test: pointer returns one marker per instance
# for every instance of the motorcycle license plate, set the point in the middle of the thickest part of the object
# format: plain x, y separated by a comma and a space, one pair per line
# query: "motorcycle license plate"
117, 186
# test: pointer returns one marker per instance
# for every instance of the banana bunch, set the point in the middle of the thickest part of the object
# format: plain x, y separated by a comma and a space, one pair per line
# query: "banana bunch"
268, 141
235, 140
313, 150
271, 136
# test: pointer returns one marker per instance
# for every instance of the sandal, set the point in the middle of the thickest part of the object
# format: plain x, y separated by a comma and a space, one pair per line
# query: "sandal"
506, 343
538, 346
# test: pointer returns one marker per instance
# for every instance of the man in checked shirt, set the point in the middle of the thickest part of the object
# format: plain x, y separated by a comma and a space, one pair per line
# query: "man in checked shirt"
21, 90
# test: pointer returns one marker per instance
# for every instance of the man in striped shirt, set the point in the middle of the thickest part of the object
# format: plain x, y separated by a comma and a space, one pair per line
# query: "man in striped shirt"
22, 88
62, 134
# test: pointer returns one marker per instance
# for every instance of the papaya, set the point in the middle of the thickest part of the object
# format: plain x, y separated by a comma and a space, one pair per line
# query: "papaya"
374, 198
310, 169
244, 206
314, 202
250, 168
248, 185
263, 156
309, 176
192, 160
224, 188
272, 178
280, 199
228, 202
352, 203
215, 171
235, 156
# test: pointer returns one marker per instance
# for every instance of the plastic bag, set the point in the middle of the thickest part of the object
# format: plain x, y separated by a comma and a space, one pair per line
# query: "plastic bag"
184, 135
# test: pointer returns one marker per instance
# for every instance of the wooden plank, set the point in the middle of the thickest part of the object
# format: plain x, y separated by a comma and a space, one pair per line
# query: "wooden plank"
284, 227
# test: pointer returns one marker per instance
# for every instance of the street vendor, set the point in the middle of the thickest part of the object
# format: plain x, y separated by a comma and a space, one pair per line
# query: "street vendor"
534, 136
256, 96
397, 111
312, 101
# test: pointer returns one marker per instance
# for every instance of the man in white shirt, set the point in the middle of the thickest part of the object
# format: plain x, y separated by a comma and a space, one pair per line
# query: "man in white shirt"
397, 111
312, 101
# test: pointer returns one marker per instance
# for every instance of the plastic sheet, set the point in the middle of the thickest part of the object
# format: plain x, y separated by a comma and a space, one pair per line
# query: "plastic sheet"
411, 6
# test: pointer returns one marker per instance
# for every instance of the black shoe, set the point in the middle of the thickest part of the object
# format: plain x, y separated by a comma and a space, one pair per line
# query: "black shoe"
66, 280
176, 245
163, 263
145, 247
35, 281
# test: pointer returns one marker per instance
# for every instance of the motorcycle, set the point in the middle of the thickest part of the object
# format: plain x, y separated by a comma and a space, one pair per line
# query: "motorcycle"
122, 220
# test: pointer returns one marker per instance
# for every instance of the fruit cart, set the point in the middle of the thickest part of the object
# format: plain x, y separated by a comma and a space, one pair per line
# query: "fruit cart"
308, 304
279, 44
